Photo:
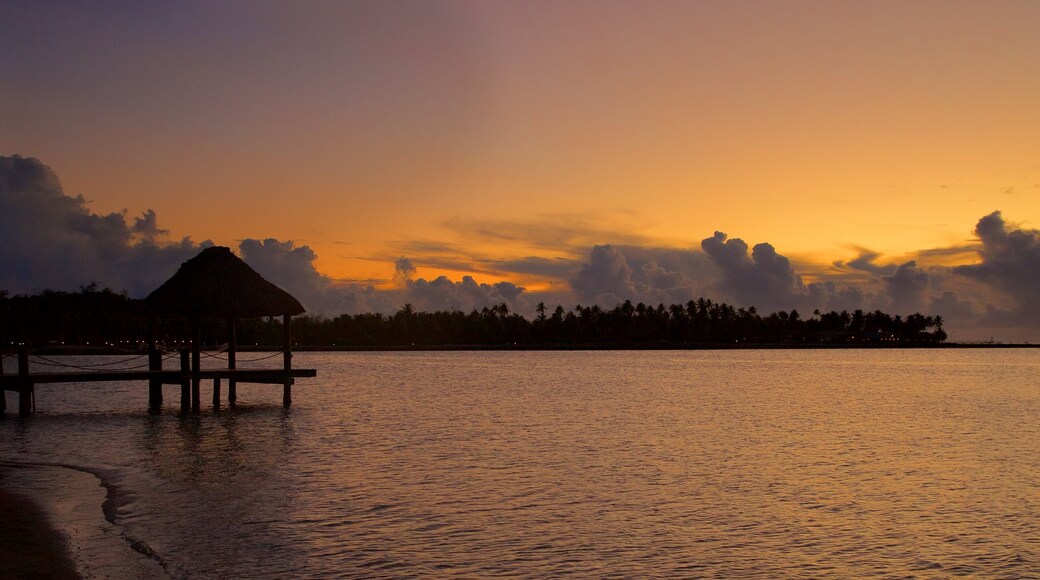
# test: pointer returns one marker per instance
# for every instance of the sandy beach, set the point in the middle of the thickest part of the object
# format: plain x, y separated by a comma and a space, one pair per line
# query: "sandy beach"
52, 526
32, 547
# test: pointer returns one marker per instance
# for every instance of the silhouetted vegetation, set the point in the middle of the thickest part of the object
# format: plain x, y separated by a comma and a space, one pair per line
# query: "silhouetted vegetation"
94, 317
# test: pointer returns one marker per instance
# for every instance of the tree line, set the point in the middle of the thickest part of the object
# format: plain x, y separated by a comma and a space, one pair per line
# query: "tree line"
98, 317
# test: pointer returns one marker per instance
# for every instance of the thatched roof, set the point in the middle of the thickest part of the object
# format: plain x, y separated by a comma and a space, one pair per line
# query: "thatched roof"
216, 283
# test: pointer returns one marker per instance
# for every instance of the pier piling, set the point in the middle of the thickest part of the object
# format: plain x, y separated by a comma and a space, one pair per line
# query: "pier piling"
155, 394
287, 360
3, 392
232, 391
25, 385
185, 383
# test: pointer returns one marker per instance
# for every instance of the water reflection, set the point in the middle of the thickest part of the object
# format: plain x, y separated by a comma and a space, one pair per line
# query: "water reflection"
213, 449
721, 464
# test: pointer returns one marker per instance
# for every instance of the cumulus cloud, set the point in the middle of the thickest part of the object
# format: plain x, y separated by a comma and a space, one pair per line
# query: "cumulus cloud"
1010, 263
442, 293
1010, 258
605, 279
906, 288
53, 241
404, 271
291, 267
764, 278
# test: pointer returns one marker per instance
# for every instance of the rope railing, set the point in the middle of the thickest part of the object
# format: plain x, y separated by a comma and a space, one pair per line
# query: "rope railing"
242, 360
42, 360
53, 362
121, 363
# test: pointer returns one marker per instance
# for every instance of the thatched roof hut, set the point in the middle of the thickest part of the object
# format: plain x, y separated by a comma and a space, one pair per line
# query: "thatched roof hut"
218, 284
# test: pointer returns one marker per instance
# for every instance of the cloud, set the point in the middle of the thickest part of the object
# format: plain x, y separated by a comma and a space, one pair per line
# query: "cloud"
764, 279
827, 296
906, 289
605, 279
292, 268
866, 261
404, 271
571, 234
1010, 263
465, 295
552, 268
53, 241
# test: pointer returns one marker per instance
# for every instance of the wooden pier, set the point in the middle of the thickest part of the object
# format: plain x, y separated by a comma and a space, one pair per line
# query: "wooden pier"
187, 377
213, 284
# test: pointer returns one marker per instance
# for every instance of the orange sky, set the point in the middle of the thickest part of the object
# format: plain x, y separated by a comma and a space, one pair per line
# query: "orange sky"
371, 131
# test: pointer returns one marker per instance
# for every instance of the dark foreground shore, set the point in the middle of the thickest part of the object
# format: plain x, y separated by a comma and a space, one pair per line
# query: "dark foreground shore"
52, 525
32, 548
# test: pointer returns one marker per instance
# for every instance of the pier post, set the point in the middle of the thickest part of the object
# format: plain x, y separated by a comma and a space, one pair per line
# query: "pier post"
232, 392
185, 382
25, 386
216, 393
196, 362
3, 391
155, 395
287, 359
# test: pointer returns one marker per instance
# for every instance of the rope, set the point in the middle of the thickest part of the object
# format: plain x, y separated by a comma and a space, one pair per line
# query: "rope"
48, 362
260, 359
55, 363
219, 356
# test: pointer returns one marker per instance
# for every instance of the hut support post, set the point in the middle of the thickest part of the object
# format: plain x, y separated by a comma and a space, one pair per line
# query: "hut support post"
287, 358
155, 398
185, 382
216, 393
3, 392
25, 386
232, 393
196, 362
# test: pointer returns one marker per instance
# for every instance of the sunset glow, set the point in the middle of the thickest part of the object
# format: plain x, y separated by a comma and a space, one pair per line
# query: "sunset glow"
469, 137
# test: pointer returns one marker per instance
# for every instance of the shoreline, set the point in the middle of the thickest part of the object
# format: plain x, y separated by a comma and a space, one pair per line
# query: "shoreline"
61, 530
110, 351
33, 546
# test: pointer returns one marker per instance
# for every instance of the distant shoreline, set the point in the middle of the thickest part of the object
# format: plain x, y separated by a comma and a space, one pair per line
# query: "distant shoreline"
108, 351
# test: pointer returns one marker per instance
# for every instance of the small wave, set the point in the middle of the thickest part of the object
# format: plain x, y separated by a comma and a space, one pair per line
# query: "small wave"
115, 498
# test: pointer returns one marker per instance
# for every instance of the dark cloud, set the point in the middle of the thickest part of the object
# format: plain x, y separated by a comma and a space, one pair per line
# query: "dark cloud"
827, 296
906, 289
404, 271
606, 278
1010, 263
292, 268
465, 295
53, 241
866, 262
558, 268
950, 307
764, 279
569, 233
146, 228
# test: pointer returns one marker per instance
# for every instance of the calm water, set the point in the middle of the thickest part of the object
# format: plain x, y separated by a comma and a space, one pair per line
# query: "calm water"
771, 463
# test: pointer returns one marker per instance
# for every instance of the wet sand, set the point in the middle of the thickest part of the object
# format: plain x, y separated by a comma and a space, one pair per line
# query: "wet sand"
32, 548
52, 526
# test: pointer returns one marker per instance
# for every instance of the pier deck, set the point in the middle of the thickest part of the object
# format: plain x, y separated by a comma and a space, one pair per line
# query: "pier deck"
12, 382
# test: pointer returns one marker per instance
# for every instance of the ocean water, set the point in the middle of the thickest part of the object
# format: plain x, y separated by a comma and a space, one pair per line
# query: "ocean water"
778, 463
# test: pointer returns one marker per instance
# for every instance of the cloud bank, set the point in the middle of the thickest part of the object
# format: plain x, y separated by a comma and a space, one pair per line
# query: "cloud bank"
51, 240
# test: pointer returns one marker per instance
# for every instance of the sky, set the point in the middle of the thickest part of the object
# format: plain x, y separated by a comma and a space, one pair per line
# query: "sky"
798, 154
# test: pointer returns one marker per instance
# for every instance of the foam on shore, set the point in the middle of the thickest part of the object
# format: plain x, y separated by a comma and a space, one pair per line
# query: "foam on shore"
76, 502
